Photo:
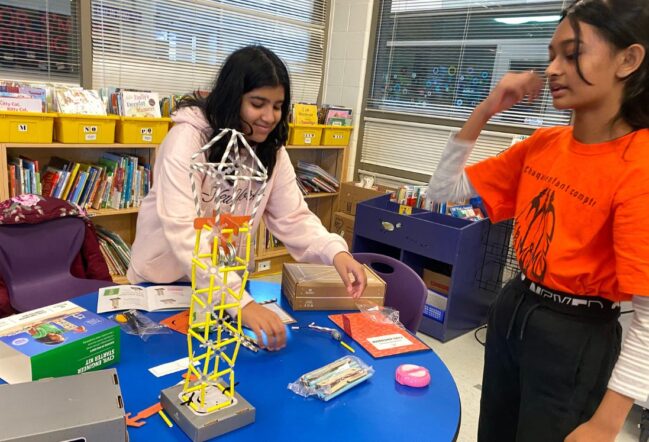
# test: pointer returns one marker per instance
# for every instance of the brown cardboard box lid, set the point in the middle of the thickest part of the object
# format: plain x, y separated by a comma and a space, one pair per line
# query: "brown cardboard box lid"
324, 275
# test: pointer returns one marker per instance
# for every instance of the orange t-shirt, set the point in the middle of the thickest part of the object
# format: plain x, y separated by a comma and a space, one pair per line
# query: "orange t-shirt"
581, 210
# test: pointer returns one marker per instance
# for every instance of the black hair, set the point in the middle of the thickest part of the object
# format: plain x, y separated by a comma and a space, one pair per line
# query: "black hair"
248, 68
622, 23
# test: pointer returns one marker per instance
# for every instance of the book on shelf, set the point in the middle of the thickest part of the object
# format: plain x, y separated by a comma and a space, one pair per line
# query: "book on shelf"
131, 102
115, 251
313, 178
24, 175
335, 115
116, 181
271, 241
139, 104
22, 97
77, 100
304, 114
150, 299
168, 104
19, 103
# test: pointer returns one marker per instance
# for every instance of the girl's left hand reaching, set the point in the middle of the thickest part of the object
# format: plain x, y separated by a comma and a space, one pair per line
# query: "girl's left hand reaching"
346, 264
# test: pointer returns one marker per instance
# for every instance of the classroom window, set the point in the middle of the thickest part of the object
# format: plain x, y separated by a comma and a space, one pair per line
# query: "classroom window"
39, 40
177, 46
440, 58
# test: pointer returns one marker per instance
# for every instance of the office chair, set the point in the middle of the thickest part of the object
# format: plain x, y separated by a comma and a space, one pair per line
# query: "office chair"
405, 290
35, 261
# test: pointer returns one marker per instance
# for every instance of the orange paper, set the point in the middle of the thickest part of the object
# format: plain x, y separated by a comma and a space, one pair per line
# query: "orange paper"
378, 338
178, 322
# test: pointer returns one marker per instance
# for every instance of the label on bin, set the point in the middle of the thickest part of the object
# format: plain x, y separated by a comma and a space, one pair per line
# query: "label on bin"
405, 210
91, 133
307, 140
146, 133
22, 127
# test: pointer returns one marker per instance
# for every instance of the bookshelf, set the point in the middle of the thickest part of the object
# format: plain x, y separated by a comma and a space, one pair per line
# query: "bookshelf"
122, 221
333, 159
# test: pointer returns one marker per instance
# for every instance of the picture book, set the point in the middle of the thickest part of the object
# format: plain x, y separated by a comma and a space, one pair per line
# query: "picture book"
379, 337
140, 104
335, 115
76, 100
58, 340
305, 113
20, 103
25, 90
150, 299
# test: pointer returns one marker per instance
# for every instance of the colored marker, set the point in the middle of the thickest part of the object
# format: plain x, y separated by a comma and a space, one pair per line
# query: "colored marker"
165, 418
347, 347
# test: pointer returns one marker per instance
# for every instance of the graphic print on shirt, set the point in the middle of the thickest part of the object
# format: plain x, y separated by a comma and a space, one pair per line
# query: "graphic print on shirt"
532, 245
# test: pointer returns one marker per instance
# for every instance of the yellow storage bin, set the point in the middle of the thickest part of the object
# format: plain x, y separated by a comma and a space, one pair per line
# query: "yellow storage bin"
336, 135
26, 127
135, 130
304, 134
75, 128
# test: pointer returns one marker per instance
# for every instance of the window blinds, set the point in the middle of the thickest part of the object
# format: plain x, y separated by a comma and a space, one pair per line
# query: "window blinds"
442, 57
417, 147
39, 40
177, 46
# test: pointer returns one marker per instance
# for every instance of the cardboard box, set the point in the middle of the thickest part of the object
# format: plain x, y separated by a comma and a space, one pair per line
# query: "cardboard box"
350, 195
88, 407
436, 281
319, 287
58, 340
343, 225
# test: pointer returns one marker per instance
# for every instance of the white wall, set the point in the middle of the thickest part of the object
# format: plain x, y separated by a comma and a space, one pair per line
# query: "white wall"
345, 63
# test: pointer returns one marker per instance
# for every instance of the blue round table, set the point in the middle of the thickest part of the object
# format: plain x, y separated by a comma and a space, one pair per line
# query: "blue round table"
379, 409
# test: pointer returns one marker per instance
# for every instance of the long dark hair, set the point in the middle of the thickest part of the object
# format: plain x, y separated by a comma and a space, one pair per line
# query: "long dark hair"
246, 69
622, 23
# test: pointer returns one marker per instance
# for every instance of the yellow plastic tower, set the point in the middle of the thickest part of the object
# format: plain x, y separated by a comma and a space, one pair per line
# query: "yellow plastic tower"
207, 323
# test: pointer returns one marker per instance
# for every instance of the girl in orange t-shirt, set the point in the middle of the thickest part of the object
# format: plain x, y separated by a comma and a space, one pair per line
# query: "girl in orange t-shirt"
579, 197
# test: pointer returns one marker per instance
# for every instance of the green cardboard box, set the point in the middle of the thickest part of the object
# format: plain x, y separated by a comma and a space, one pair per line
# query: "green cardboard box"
58, 340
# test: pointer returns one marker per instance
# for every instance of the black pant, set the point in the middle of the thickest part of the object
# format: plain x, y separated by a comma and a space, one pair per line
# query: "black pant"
546, 367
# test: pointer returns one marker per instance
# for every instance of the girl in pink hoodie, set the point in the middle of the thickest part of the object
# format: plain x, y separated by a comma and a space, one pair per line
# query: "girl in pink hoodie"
252, 95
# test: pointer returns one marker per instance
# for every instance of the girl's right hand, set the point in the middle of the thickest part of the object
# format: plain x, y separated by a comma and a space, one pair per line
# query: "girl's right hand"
512, 89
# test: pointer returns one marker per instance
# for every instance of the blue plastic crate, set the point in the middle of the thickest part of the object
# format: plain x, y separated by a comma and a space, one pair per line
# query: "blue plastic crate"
434, 313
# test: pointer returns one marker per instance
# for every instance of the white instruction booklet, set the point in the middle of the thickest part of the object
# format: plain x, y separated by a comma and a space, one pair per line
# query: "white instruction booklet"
150, 299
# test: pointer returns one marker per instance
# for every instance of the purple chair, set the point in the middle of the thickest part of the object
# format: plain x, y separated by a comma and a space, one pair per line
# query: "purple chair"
405, 290
35, 261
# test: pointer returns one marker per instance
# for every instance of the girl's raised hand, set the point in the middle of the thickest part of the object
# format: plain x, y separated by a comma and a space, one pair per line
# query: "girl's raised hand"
512, 89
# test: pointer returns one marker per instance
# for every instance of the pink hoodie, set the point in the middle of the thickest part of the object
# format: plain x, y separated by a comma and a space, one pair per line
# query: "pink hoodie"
163, 246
